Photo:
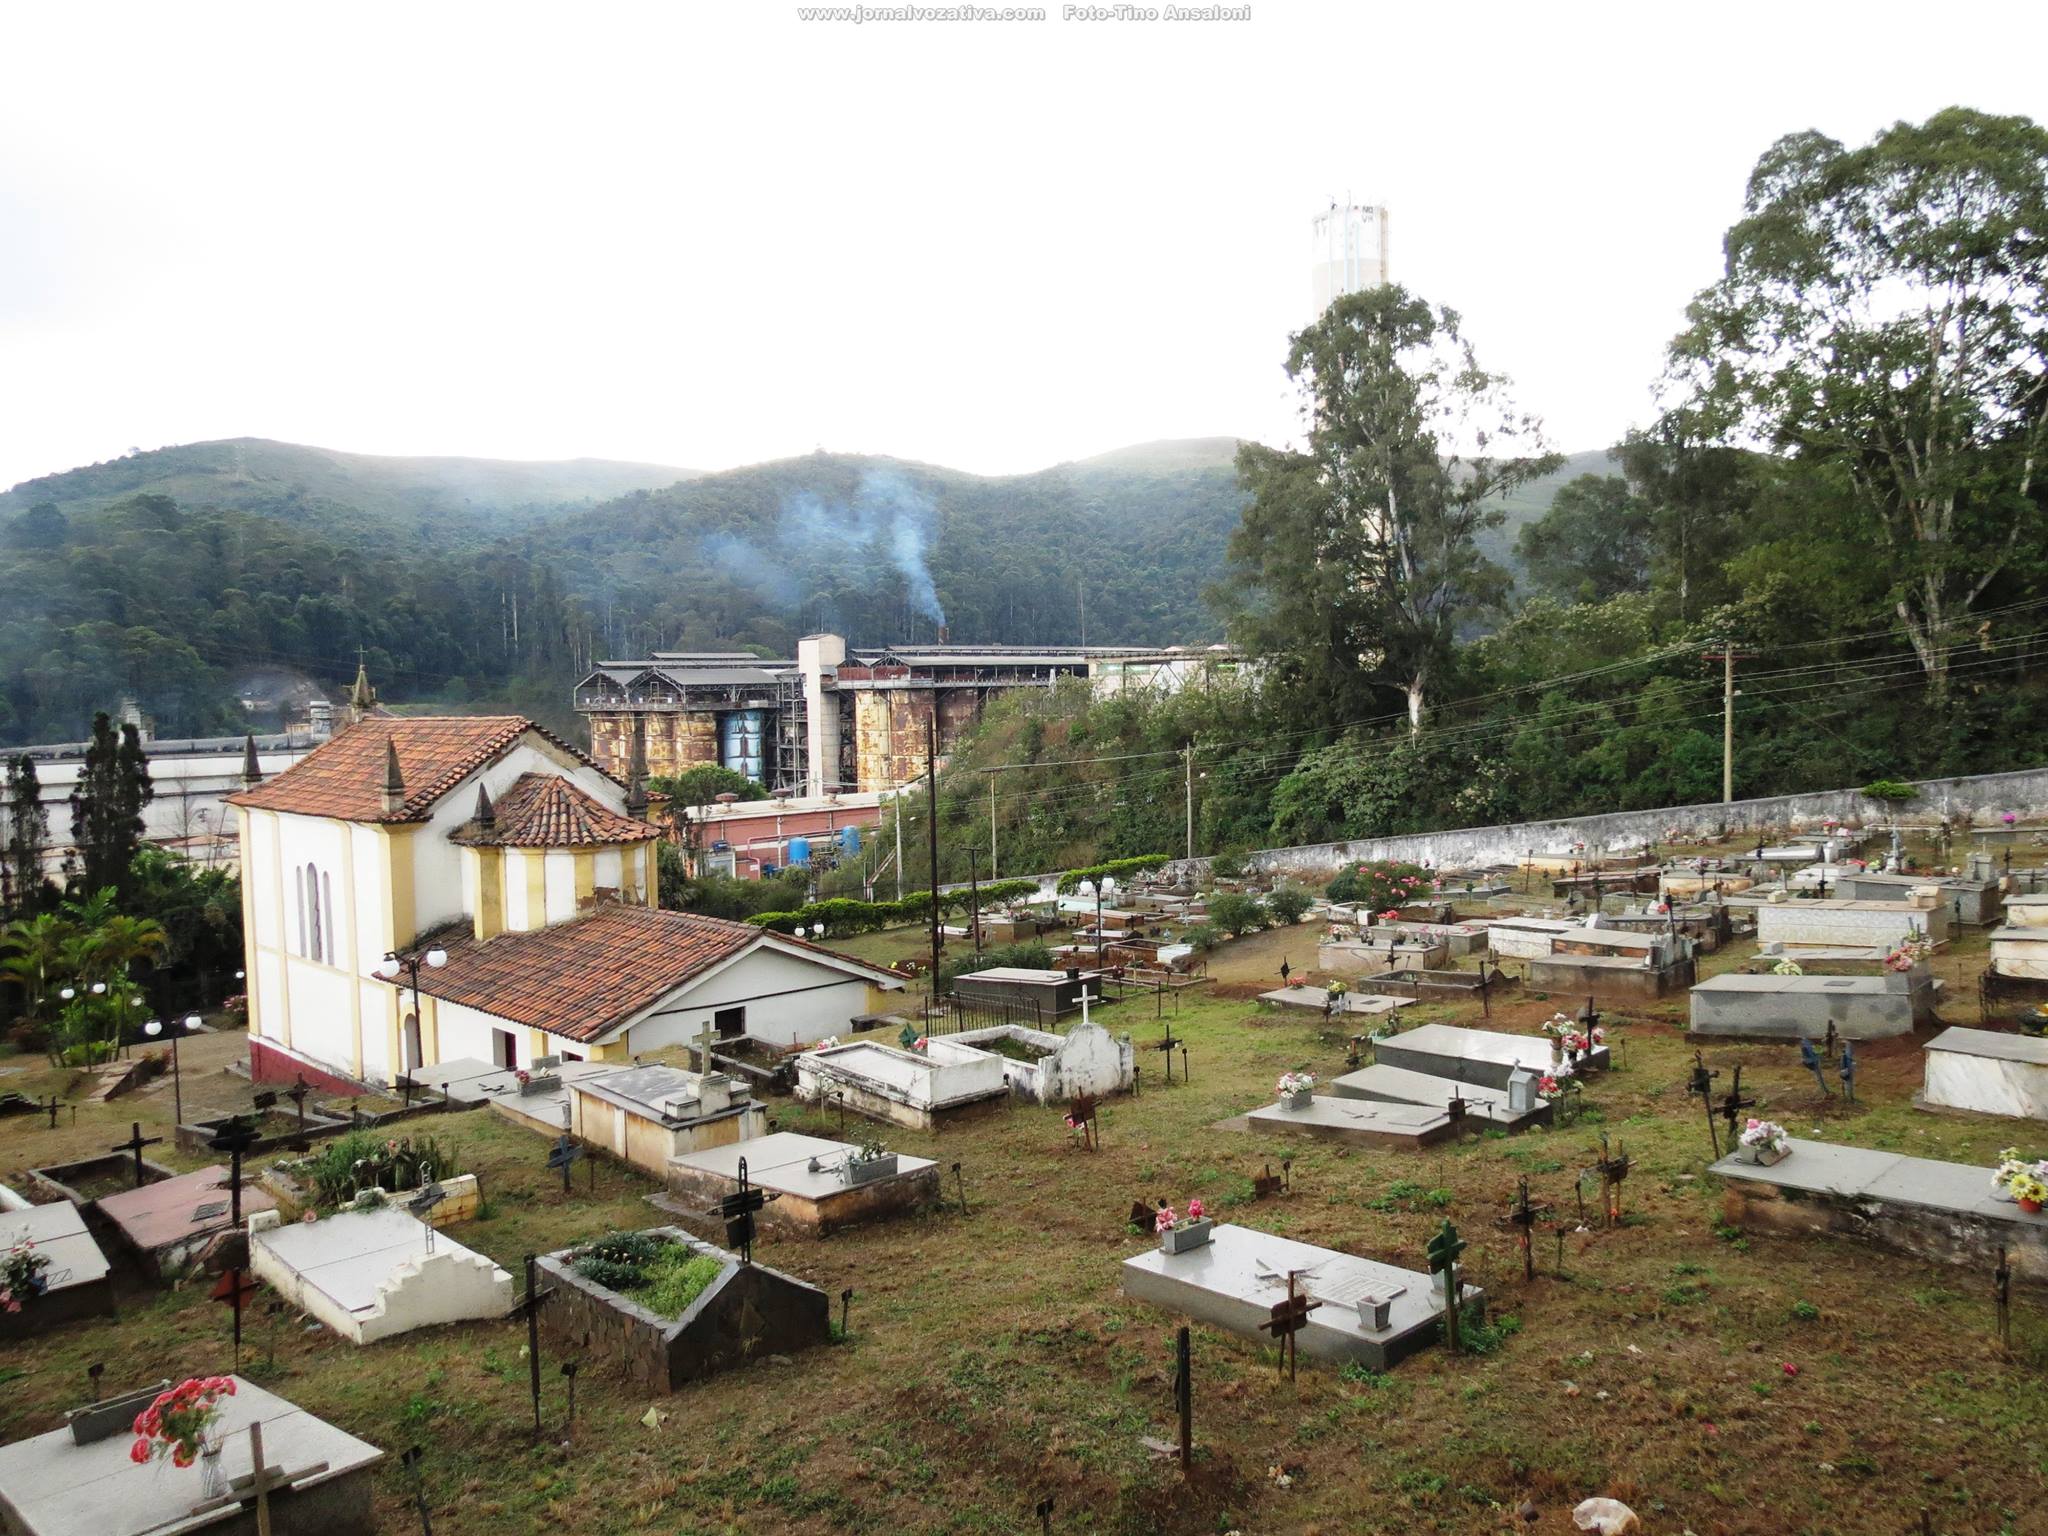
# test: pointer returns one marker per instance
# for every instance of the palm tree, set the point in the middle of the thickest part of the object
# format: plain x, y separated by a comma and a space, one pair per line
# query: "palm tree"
35, 958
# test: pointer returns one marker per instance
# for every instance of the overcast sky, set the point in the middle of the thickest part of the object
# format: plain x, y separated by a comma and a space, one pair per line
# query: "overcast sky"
710, 234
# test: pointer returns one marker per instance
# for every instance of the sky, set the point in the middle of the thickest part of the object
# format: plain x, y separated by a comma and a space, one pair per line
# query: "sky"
708, 234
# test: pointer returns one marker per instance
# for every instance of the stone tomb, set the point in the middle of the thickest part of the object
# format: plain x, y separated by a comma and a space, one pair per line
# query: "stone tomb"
371, 1275
1988, 1072
1046, 994
747, 1313
807, 1173
2020, 951
647, 1115
1483, 1057
1833, 924
1773, 1007
916, 1089
1592, 960
1359, 1122
1945, 1212
1234, 1280
78, 1481
76, 1285
1380, 950
1365, 1005
540, 1104
1972, 902
168, 1225
1086, 1059
1398, 1085
1524, 938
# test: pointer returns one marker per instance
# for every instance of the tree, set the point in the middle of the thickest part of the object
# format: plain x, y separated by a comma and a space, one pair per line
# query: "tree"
1594, 543
1884, 313
106, 805
24, 888
1237, 913
1356, 559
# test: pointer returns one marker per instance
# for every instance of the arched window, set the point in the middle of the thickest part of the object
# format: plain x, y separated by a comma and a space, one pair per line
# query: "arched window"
299, 889
332, 939
317, 947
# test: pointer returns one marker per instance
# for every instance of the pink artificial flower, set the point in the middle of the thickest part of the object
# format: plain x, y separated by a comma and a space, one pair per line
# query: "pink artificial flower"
1790, 1369
1163, 1222
139, 1451
1194, 1210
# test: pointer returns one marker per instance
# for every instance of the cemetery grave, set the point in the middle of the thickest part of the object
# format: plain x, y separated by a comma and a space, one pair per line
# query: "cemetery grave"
74, 1281
1483, 1057
920, 1089
80, 1480
661, 1309
1365, 1005
646, 1115
822, 1185
373, 1274
1988, 1073
1047, 1068
1376, 952
1779, 1007
167, 1225
1832, 924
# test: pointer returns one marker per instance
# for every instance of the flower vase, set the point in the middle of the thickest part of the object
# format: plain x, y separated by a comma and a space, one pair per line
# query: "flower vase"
1299, 1099
1762, 1156
1189, 1234
213, 1480
2031, 1207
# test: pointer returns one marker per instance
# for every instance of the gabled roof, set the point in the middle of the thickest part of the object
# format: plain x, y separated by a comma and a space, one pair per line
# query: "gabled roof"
345, 777
585, 978
545, 810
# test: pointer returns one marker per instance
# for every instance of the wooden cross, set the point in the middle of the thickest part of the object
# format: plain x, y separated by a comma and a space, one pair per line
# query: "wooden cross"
1522, 1215
1732, 1105
1289, 1317
530, 1305
1702, 1085
1612, 1168
1443, 1251
1081, 1114
1809, 1058
563, 1155
1267, 1183
704, 1049
1168, 1045
2001, 1294
135, 1143
1184, 1400
298, 1093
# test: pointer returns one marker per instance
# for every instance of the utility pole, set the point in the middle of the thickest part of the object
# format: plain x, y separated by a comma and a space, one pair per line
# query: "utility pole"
1187, 757
1728, 656
896, 800
992, 823
973, 900
931, 775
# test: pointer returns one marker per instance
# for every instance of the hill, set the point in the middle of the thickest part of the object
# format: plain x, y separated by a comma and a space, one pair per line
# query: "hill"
308, 485
1166, 455
1529, 502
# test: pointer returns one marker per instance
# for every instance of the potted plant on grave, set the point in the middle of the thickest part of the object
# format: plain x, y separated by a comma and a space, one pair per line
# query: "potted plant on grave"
870, 1159
2029, 1190
1295, 1089
1560, 1087
181, 1424
1763, 1142
1177, 1234
21, 1275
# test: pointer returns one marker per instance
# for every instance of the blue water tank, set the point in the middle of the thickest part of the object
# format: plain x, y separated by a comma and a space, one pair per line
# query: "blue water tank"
769, 871
741, 733
849, 841
799, 850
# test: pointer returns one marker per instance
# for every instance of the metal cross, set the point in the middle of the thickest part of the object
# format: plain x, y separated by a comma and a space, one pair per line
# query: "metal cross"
1848, 1070
563, 1155
1613, 1168
1809, 1058
1732, 1105
1184, 1400
1522, 1215
738, 1210
1443, 1251
135, 1143
1701, 1084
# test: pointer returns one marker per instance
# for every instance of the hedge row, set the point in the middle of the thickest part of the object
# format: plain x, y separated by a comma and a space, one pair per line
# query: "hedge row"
844, 916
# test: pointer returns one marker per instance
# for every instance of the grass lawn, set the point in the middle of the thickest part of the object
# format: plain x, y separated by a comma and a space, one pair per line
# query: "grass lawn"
992, 1360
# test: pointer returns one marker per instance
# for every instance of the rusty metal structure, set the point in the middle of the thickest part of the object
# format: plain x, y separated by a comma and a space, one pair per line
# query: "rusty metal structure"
834, 719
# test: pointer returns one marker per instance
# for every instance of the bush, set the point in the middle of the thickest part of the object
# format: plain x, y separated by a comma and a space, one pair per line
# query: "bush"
1236, 913
1204, 937
675, 1281
1030, 955
365, 1160
1892, 791
1289, 904
1227, 866
1381, 885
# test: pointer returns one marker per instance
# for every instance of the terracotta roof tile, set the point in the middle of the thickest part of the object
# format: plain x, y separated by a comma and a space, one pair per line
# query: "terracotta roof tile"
543, 810
582, 978
344, 778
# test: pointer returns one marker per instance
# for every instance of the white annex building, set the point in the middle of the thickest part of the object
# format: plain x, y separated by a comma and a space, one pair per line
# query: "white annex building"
486, 868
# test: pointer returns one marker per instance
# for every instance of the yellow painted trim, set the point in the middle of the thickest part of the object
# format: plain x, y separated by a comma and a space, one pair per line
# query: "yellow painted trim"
400, 915
650, 876
487, 893
585, 861
536, 888
537, 1043
611, 1050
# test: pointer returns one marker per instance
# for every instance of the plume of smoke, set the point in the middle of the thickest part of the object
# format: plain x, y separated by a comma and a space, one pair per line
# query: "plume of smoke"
887, 518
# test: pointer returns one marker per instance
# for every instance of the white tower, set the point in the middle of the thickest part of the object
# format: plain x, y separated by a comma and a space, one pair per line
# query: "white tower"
1348, 252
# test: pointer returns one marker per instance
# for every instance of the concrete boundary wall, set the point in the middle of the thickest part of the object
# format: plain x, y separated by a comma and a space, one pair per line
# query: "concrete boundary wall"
1979, 798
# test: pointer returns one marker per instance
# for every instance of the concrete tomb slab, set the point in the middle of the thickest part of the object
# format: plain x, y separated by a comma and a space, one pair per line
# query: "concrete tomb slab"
1398, 1085
167, 1224
1987, 1072
815, 1200
1360, 1122
370, 1275
1776, 1007
51, 1485
914, 1089
77, 1283
1480, 1056
1234, 1280
1317, 999
1946, 1212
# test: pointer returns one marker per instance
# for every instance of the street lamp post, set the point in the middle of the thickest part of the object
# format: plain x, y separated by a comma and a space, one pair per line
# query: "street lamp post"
394, 965
154, 1028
